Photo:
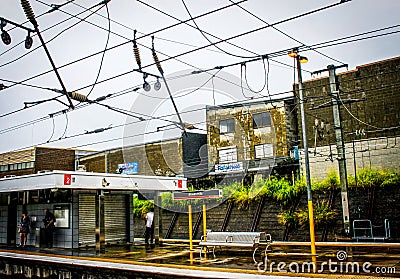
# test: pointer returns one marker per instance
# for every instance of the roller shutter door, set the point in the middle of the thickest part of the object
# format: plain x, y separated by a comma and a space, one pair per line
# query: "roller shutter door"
115, 218
87, 221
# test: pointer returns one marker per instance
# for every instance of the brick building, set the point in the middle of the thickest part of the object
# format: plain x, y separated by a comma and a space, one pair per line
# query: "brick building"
185, 155
252, 137
370, 117
36, 159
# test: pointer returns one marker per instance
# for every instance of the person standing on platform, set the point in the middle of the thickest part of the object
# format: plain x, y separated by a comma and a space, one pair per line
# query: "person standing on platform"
149, 233
49, 226
23, 229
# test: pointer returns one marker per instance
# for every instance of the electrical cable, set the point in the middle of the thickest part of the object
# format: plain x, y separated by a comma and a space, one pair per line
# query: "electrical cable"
176, 56
66, 124
104, 51
14, 27
202, 33
34, 49
352, 115
265, 77
285, 34
129, 90
54, 124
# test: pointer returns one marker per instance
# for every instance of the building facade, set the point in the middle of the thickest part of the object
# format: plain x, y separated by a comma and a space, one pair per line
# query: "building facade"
183, 156
36, 160
251, 137
369, 102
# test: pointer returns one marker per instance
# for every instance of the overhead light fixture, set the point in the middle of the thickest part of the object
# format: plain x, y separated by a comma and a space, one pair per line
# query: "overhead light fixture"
303, 59
293, 53
28, 41
157, 85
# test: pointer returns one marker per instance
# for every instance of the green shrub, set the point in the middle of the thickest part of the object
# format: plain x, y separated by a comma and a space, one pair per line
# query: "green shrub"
288, 218
141, 207
331, 182
323, 215
392, 178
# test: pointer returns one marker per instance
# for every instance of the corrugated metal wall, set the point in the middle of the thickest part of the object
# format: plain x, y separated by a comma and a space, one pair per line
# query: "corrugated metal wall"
87, 219
115, 213
115, 218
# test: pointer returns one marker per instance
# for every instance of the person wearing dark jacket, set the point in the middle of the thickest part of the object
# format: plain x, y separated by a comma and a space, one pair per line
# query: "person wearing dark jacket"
49, 226
23, 229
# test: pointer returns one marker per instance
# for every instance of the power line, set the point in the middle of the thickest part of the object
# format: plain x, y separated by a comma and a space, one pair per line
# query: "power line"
119, 45
285, 34
199, 48
34, 49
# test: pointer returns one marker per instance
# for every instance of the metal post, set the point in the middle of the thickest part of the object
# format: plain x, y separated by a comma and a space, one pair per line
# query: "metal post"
204, 221
157, 218
100, 223
205, 228
190, 228
307, 165
340, 148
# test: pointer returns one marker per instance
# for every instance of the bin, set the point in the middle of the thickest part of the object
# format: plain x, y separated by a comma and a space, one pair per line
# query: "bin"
38, 238
39, 234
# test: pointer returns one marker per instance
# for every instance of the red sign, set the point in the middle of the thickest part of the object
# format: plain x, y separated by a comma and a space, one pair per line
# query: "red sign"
67, 179
179, 183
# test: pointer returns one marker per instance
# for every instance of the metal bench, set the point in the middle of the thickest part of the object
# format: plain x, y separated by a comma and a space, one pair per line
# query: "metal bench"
362, 230
233, 239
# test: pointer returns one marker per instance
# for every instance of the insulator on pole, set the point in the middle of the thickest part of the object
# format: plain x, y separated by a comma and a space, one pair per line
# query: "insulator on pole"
155, 57
29, 12
136, 51
78, 97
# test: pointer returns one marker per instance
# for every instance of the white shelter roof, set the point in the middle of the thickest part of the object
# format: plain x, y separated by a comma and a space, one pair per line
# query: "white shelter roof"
91, 181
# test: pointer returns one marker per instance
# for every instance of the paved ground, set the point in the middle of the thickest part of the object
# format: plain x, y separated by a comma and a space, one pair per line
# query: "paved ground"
283, 262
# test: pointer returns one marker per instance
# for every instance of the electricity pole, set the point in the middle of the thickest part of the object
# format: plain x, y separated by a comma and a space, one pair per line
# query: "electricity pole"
337, 123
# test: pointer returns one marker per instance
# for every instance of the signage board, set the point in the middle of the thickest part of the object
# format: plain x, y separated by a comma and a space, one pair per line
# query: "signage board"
128, 168
61, 212
200, 194
229, 167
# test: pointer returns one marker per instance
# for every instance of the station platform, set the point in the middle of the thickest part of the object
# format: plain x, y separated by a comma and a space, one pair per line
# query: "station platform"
173, 259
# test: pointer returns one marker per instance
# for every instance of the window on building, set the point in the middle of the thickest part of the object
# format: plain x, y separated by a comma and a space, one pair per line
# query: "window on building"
262, 119
4, 168
264, 151
227, 155
227, 125
30, 165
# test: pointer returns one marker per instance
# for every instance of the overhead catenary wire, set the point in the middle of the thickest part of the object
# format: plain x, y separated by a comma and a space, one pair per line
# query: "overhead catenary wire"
46, 29
204, 35
128, 40
31, 17
284, 33
176, 56
120, 93
104, 51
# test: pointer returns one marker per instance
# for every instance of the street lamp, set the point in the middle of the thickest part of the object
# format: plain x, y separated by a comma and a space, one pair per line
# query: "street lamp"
299, 60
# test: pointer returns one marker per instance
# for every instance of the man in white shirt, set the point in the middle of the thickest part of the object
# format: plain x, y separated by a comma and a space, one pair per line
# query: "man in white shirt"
149, 227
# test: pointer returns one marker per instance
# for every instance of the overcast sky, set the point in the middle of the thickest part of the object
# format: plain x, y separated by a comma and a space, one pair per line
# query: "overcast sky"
46, 124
